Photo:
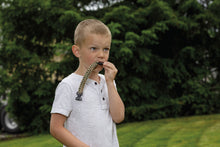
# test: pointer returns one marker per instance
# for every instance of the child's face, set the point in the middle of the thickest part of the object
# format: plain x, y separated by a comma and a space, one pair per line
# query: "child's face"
95, 48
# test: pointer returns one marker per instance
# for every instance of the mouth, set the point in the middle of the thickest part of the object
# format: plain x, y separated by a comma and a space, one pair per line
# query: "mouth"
100, 63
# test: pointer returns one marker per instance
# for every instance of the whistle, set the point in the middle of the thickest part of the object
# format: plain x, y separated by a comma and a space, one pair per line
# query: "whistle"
100, 63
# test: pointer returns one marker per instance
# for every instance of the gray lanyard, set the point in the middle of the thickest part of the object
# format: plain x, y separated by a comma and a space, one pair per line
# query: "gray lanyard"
85, 77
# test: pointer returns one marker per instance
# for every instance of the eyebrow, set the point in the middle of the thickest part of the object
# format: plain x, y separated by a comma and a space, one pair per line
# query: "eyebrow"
97, 46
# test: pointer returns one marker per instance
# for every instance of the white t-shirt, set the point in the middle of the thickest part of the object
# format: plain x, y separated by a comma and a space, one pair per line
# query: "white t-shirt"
89, 120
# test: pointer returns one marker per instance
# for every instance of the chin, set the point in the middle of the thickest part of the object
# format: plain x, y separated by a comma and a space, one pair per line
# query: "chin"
98, 69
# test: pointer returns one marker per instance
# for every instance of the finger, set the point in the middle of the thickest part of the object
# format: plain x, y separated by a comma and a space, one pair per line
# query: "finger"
108, 65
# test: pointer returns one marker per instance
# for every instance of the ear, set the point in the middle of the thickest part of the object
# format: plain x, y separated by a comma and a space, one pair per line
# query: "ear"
75, 50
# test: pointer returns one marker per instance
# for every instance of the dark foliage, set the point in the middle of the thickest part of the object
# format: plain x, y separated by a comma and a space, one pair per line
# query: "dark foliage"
167, 54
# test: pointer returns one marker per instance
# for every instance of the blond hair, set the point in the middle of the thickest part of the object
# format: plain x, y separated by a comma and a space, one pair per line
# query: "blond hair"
89, 26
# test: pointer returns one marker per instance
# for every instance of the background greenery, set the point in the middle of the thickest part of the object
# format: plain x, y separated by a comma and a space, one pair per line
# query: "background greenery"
167, 53
196, 131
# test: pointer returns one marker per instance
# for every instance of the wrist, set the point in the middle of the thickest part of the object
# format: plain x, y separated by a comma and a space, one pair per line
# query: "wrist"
110, 84
108, 81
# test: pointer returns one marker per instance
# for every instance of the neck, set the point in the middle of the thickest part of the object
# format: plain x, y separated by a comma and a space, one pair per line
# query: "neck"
94, 75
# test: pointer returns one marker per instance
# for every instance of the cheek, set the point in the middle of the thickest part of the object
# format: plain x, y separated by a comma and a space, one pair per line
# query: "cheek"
90, 59
106, 57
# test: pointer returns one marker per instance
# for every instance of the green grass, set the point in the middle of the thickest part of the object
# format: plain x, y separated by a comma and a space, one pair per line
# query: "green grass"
196, 131
34, 141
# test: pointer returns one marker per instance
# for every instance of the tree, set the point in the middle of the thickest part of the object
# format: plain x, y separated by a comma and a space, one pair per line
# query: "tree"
33, 33
165, 57
166, 52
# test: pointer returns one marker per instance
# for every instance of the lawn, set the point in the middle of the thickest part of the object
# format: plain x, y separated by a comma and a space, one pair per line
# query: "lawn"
196, 131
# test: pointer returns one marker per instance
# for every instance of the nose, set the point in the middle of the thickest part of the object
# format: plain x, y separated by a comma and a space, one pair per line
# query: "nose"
101, 54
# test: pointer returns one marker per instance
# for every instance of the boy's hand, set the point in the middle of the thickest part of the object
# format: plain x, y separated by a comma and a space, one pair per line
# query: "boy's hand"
116, 106
110, 71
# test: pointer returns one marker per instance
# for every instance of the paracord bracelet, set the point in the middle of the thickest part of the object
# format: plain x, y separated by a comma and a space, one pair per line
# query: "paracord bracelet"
85, 77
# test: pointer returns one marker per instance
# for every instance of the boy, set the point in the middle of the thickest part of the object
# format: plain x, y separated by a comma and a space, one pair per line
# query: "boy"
90, 122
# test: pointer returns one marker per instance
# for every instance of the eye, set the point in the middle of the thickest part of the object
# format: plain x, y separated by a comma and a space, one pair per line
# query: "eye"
106, 49
93, 48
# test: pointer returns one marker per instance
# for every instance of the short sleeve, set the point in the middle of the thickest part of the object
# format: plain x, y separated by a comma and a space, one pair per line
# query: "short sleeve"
115, 84
63, 100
